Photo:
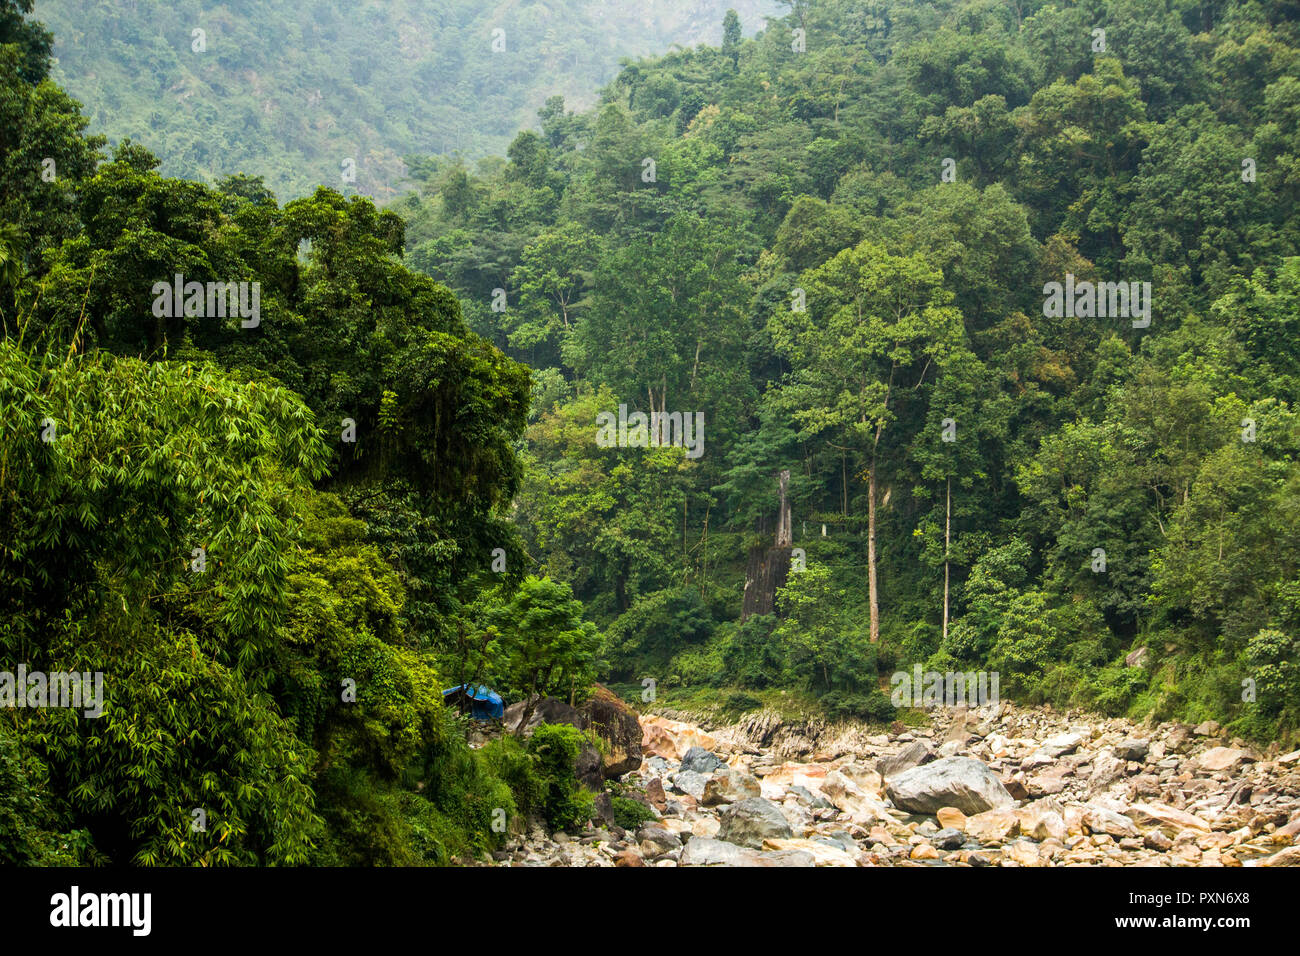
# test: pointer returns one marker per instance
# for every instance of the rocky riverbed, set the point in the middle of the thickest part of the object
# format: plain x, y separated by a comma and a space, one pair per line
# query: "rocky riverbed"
998, 786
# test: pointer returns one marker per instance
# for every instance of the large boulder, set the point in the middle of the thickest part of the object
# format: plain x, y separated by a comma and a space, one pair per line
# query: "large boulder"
587, 768
823, 852
1099, 819
546, 710
655, 841
960, 782
1223, 758
1051, 749
588, 765
1132, 748
699, 760
913, 755
729, 786
859, 806
703, 851
1169, 820
656, 741
992, 826
617, 726
1042, 820
751, 821
690, 782
604, 809
671, 739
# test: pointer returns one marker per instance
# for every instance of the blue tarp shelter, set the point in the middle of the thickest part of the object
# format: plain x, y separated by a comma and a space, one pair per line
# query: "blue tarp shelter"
483, 703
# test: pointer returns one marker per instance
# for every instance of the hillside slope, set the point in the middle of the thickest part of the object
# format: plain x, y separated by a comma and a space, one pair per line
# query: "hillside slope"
290, 90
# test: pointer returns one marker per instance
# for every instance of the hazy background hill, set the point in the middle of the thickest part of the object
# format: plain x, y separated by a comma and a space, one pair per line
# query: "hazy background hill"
291, 89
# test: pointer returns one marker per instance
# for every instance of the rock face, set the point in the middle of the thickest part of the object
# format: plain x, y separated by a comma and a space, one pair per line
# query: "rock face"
750, 822
616, 724
957, 782
547, 710
588, 765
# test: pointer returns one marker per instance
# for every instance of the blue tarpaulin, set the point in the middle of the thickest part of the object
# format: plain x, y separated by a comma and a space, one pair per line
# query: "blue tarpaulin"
484, 704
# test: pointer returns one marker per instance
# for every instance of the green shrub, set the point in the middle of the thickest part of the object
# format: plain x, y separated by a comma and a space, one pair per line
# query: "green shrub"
564, 803
630, 814
739, 703
29, 826
871, 705
509, 761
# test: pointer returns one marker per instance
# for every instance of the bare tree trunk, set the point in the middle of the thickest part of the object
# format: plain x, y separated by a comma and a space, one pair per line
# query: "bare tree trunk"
872, 589
768, 569
784, 533
947, 537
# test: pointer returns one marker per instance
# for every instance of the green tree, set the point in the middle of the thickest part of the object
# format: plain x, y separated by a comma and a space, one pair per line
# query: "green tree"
874, 327
545, 647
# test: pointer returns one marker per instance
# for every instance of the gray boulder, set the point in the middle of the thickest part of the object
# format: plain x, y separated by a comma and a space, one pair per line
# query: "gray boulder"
704, 852
1131, 748
690, 782
948, 839
751, 821
546, 710
960, 782
656, 841
699, 760
913, 755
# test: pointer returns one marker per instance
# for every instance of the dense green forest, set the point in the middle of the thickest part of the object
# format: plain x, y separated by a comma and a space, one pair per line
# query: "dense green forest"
259, 530
295, 89
841, 258
279, 531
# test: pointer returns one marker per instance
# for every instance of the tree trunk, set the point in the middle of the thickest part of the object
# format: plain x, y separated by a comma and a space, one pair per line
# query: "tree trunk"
947, 536
768, 569
872, 589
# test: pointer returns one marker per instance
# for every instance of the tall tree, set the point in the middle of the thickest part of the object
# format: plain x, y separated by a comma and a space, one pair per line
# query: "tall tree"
876, 332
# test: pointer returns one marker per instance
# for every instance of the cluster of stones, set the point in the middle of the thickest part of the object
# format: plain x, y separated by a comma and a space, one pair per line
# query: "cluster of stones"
999, 786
